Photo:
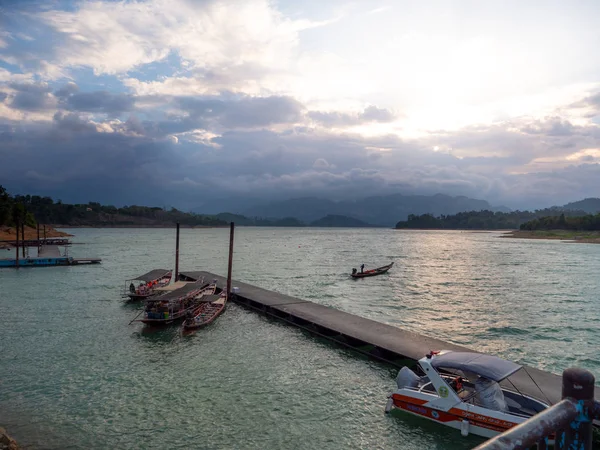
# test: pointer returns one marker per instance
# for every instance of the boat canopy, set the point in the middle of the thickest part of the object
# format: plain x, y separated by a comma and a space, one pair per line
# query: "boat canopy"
487, 366
177, 294
153, 275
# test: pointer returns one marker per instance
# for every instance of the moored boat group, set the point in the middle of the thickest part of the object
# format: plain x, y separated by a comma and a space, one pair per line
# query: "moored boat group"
194, 302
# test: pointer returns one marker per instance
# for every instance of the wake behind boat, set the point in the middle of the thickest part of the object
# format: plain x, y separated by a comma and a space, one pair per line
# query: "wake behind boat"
372, 272
474, 404
147, 284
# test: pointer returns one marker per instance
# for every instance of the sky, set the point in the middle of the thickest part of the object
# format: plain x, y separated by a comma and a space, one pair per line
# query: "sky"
188, 102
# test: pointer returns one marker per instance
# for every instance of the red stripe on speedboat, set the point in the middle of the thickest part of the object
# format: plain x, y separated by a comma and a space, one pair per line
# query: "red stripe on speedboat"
415, 406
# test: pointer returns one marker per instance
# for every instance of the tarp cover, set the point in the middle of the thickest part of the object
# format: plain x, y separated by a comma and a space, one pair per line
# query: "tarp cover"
153, 275
177, 293
487, 366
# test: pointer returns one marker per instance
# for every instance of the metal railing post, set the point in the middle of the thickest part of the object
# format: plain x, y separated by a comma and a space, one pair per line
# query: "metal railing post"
570, 420
578, 384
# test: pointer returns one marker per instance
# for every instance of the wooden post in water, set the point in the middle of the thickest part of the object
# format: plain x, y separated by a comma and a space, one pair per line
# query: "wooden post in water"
230, 266
38, 238
23, 237
17, 243
177, 254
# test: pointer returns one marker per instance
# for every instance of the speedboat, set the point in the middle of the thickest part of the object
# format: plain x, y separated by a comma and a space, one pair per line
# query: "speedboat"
461, 390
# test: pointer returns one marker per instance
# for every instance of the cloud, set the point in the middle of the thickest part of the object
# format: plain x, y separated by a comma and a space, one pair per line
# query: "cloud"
117, 37
320, 164
293, 162
100, 102
192, 98
67, 90
342, 119
32, 96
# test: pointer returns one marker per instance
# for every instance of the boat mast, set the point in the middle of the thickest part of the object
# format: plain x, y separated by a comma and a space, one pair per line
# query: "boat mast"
177, 253
229, 268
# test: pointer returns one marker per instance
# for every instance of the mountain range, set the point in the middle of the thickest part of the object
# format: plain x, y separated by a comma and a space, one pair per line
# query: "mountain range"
383, 210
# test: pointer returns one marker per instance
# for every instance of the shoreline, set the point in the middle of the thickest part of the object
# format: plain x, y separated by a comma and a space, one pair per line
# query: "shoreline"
568, 236
140, 226
8, 234
574, 237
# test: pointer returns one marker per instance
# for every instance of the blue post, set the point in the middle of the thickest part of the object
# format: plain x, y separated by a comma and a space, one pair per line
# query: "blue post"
578, 384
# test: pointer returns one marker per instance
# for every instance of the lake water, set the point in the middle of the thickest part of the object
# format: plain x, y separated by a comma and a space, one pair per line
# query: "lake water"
75, 374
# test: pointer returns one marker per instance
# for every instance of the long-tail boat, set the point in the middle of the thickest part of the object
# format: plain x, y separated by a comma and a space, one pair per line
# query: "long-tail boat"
175, 305
210, 308
145, 285
372, 272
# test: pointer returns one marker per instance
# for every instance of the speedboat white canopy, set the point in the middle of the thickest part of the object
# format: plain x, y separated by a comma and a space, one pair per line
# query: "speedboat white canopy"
487, 366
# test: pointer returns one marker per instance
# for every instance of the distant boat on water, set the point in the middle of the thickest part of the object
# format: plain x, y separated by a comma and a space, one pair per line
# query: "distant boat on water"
372, 272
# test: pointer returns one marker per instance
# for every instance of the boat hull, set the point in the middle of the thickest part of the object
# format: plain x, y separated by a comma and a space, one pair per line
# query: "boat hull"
188, 325
478, 424
372, 273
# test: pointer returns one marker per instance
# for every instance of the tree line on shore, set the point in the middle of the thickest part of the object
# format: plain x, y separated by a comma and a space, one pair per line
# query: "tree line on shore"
32, 209
589, 222
542, 219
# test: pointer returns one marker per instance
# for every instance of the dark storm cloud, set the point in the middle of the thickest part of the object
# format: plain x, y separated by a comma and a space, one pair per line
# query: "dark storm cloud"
32, 96
370, 114
67, 90
72, 123
138, 155
100, 102
247, 112
552, 126
592, 100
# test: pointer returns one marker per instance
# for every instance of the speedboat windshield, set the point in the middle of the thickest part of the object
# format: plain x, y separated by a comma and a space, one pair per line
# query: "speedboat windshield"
487, 366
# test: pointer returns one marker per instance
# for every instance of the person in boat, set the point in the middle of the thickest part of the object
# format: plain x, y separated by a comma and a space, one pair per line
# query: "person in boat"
354, 271
488, 393
132, 288
457, 384
362, 268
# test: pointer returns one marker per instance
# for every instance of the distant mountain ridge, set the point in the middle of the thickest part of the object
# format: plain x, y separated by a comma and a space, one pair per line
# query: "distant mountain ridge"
327, 221
589, 205
383, 210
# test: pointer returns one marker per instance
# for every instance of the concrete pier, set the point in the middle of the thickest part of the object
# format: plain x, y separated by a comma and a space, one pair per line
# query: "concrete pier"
373, 339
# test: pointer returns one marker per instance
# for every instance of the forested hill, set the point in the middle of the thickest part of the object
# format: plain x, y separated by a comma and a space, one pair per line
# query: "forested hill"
47, 211
482, 220
590, 222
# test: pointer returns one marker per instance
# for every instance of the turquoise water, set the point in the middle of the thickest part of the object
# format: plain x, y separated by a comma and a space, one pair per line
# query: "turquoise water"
75, 374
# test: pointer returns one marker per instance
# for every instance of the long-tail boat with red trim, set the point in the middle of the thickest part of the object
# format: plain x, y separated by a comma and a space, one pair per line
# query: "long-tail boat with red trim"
211, 307
146, 285
461, 390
